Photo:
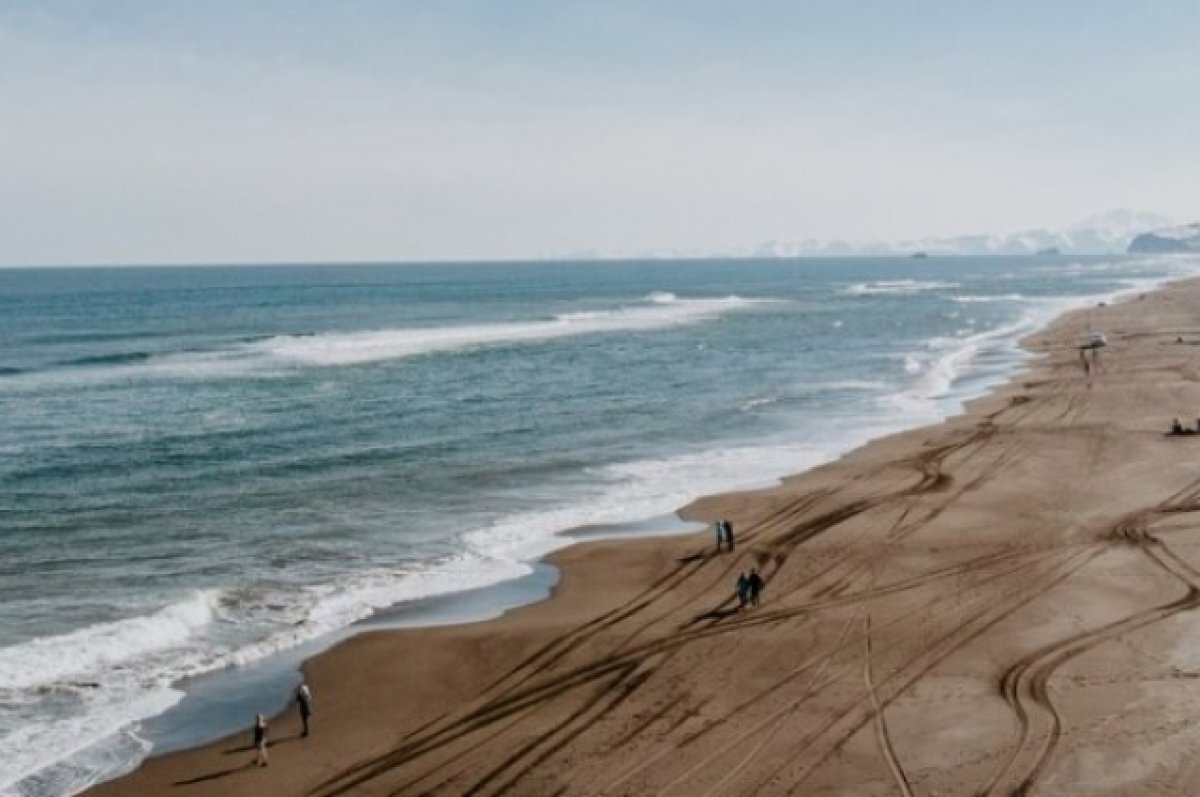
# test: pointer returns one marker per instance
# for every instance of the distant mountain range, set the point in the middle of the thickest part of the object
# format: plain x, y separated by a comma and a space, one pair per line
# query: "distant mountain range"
1105, 233
1182, 239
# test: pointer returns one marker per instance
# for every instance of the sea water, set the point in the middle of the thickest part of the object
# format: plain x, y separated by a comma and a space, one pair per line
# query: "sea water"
202, 469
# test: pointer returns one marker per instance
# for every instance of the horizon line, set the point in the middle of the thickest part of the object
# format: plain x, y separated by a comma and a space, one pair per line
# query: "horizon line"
549, 260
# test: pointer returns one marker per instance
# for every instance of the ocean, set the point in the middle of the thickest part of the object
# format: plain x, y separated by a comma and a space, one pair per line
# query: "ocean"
207, 470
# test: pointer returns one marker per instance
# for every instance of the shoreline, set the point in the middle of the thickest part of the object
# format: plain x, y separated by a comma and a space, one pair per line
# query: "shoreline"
747, 508
204, 715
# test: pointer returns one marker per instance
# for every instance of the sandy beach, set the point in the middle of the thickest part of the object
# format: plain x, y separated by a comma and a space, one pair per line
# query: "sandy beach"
1000, 604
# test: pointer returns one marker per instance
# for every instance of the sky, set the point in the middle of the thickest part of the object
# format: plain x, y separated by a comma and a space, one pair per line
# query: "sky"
141, 131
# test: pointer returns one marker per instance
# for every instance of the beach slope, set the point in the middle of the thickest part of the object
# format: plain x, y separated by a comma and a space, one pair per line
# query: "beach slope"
1001, 604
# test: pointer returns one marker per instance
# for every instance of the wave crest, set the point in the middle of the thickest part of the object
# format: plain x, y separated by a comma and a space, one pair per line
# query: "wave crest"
354, 348
897, 287
81, 654
279, 355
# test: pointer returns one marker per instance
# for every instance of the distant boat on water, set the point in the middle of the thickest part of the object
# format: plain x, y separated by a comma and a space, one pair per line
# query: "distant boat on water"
919, 255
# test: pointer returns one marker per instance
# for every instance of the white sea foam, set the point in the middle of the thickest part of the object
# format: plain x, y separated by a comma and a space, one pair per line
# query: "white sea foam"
659, 311
328, 607
946, 360
845, 384
750, 404
67, 754
106, 678
96, 683
897, 287
646, 488
280, 355
84, 653
842, 385
1002, 297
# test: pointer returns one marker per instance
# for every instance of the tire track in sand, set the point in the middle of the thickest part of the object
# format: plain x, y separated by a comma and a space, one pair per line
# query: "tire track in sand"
1025, 684
881, 729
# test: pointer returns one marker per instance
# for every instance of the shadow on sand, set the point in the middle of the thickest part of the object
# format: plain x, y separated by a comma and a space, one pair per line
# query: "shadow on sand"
217, 775
224, 773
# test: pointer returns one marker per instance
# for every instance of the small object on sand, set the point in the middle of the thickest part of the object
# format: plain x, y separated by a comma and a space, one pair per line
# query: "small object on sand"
1178, 428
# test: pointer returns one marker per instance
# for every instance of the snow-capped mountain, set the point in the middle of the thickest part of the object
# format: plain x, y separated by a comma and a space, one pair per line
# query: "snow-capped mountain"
1103, 233
1100, 234
1184, 238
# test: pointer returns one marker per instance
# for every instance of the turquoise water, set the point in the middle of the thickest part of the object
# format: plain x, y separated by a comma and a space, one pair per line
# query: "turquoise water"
202, 467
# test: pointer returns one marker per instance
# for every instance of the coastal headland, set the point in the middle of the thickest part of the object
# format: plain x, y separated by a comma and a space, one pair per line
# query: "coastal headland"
1005, 603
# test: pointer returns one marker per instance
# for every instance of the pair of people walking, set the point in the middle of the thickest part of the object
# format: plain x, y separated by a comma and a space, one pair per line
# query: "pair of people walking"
724, 532
304, 701
749, 588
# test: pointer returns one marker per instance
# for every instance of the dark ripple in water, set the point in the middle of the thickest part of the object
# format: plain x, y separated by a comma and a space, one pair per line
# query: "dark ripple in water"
119, 358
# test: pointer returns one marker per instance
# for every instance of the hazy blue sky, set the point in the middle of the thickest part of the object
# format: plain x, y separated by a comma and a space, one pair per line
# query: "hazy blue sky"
288, 130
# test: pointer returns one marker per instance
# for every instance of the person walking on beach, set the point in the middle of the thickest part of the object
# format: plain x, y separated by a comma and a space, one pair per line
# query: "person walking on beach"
727, 532
754, 585
305, 702
724, 534
260, 741
743, 591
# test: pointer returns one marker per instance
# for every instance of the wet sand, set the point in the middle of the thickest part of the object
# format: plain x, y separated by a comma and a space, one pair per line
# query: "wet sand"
1000, 604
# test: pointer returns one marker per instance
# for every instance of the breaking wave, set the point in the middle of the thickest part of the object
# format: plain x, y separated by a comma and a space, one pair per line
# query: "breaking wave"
1003, 297
659, 311
897, 287
279, 355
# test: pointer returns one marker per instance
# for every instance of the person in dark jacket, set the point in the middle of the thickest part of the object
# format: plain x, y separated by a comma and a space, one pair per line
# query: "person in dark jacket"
305, 702
743, 590
755, 586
